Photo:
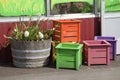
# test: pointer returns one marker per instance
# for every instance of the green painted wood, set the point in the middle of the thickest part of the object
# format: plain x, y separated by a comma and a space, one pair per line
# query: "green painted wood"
64, 52
67, 58
69, 55
65, 64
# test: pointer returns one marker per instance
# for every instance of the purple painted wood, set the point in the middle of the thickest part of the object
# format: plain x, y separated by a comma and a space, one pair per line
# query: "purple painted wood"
112, 41
96, 52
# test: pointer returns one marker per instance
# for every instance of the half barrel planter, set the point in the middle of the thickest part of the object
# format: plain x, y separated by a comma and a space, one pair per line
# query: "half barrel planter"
30, 54
112, 41
69, 55
96, 52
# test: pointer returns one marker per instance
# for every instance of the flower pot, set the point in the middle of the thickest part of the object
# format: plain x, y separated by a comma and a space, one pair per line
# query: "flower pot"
96, 52
30, 53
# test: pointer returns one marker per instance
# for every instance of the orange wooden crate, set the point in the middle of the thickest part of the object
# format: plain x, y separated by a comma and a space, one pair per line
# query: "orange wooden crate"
67, 30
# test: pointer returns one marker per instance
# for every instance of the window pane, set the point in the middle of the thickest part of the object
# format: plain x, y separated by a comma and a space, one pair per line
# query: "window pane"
21, 7
111, 5
71, 6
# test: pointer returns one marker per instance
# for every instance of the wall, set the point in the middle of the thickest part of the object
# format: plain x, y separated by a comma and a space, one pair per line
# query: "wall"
5, 52
112, 27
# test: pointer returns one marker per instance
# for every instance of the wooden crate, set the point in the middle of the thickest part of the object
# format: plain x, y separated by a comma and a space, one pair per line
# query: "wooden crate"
112, 41
67, 30
96, 52
69, 55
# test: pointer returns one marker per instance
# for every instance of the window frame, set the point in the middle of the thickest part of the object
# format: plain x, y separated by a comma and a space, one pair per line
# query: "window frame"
48, 8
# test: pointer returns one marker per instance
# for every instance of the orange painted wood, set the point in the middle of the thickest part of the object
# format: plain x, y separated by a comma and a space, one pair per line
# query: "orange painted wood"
67, 30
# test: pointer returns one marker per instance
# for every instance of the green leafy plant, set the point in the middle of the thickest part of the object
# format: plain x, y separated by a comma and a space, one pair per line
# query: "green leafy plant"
87, 8
31, 31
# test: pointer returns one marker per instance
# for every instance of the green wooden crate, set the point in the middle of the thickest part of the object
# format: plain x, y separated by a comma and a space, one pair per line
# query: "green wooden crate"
69, 55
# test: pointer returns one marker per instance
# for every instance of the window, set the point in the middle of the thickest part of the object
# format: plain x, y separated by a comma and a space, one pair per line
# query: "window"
111, 5
21, 7
71, 6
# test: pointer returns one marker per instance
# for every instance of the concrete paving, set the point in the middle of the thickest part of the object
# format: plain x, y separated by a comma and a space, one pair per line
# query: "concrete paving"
94, 72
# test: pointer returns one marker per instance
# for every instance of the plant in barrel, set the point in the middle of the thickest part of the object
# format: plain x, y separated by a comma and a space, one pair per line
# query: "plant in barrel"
31, 43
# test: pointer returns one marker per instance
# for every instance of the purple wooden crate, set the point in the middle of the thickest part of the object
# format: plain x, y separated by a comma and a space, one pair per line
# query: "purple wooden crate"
112, 41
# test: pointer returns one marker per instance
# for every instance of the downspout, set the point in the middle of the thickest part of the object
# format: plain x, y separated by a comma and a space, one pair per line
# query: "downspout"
102, 13
47, 7
95, 2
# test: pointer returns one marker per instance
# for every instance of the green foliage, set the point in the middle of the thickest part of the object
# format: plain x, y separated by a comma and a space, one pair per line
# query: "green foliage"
88, 8
28, 32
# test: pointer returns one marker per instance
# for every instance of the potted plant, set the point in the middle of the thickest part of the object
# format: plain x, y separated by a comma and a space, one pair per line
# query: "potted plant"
30, 44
